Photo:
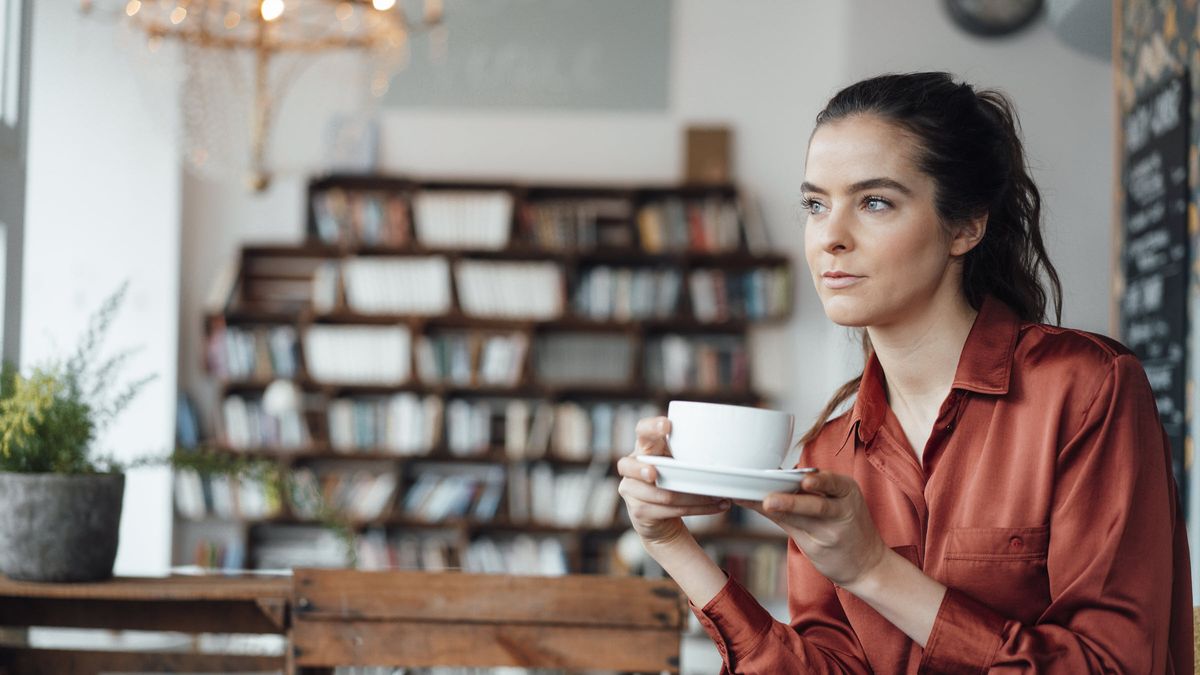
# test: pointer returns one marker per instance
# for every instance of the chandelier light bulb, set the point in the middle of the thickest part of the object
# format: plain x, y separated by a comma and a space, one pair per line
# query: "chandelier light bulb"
271, 9
133, 7
232, 19
178, 15
433, 11
383, 5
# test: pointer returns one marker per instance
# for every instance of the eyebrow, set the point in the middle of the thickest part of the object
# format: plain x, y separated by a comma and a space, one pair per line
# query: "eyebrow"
860, 186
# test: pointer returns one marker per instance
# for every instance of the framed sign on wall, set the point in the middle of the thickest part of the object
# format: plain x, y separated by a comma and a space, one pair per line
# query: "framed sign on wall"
1154, 245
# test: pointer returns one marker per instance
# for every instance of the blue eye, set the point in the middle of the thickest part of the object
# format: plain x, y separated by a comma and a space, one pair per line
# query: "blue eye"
812, 206
876, 203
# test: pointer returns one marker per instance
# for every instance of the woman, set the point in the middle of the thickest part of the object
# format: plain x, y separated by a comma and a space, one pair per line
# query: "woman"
999, 495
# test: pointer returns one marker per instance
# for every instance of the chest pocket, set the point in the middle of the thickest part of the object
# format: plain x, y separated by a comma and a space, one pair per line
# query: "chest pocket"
1002, 567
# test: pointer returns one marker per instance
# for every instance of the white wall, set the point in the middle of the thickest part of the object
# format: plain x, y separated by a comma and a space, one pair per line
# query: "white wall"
103, 207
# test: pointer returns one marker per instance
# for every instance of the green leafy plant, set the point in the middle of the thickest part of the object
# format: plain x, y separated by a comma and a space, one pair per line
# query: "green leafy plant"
50, 418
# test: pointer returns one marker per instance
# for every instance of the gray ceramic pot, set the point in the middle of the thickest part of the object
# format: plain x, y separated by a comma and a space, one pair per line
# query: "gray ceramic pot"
56, 527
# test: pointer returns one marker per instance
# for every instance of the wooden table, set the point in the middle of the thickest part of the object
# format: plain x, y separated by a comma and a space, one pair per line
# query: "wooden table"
187, 604
341, 617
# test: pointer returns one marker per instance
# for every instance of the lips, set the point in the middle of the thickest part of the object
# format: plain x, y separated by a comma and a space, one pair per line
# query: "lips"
837, 280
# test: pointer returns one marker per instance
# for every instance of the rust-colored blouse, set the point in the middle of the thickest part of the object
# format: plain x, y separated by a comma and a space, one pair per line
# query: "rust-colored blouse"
1046, 504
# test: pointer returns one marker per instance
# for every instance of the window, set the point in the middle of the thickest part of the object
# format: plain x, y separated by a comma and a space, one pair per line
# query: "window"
10, 64
14, 124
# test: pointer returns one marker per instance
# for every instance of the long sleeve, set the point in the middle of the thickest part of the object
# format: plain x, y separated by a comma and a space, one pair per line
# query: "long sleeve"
1113, 570
818, 640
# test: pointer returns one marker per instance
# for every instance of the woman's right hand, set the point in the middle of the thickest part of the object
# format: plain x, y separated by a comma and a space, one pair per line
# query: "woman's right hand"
657, 514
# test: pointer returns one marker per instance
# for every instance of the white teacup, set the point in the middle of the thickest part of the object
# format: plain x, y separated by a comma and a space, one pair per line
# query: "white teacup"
715, 434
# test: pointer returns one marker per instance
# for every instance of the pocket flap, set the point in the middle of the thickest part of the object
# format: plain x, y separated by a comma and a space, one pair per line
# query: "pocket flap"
998, 543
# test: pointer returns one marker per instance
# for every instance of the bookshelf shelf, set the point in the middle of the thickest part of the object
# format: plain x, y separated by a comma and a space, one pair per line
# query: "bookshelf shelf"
525, 391
439, 455
493, 345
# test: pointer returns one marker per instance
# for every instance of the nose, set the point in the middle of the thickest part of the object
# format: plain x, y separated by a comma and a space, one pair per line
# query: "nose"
834, 232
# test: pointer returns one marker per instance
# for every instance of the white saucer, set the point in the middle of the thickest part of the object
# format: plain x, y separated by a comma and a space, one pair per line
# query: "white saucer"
723, 481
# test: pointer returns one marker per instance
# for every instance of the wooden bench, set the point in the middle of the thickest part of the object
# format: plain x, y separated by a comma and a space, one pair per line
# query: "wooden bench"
422, 619
215, 604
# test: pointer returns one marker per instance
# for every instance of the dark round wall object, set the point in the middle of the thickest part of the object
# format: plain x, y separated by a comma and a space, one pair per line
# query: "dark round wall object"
993, 18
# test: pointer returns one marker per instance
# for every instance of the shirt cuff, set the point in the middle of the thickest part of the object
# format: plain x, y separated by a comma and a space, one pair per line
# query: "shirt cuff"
965, 636
735, 621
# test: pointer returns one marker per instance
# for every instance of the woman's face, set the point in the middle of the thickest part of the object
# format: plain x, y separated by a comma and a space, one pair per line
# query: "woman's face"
874, 243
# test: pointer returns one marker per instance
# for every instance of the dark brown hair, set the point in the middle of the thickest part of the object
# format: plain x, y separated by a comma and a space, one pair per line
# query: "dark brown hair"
970, 145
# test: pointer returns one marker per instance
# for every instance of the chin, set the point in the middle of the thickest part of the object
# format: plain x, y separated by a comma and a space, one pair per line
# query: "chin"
846, 311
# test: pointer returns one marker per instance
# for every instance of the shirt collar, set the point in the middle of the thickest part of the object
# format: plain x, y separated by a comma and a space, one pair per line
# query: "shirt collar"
985, 367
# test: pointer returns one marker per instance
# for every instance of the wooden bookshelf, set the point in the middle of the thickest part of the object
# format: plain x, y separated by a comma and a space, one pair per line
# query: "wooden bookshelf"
628, 268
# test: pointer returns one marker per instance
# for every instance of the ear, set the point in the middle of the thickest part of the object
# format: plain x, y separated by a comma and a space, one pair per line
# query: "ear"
968, 235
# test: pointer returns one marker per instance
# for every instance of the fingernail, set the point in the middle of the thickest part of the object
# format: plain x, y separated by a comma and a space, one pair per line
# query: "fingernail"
771, 504
646, 474
723, 504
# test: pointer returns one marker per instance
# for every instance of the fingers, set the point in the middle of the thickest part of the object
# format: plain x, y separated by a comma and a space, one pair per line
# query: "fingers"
646, 512
806, 505
630, 467
829, 484
636, 489
652, 436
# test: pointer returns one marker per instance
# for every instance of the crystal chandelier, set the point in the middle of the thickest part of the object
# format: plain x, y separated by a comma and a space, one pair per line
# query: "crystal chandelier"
239, 57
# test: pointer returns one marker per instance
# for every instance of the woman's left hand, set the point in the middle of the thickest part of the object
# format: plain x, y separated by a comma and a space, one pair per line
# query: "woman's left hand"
830, 522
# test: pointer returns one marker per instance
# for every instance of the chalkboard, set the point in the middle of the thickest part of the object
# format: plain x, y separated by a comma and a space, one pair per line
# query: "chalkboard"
1154, 324
593, 54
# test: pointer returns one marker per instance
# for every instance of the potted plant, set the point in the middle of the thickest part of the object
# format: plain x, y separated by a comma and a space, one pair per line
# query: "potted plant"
60, 502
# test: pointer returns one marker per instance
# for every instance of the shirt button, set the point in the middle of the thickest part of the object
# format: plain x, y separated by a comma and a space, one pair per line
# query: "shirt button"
1015, 543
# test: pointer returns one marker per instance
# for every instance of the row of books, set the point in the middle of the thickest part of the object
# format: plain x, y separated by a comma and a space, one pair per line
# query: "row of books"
359, 494
596, 430
249, 424
578, 224
358, 354
719, 295
471, 357
708, 225
438, 551
219, 554
455, 491
512, 290
567, 498
480, 219
259, 352
380, 355
224, 497
371, 218
627, 294
761, 568
420, 286
571, 430
407, 424
404, 423
570, 358
521, 554
697, 363
394, 285
469, 427
285, 547
434, 551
